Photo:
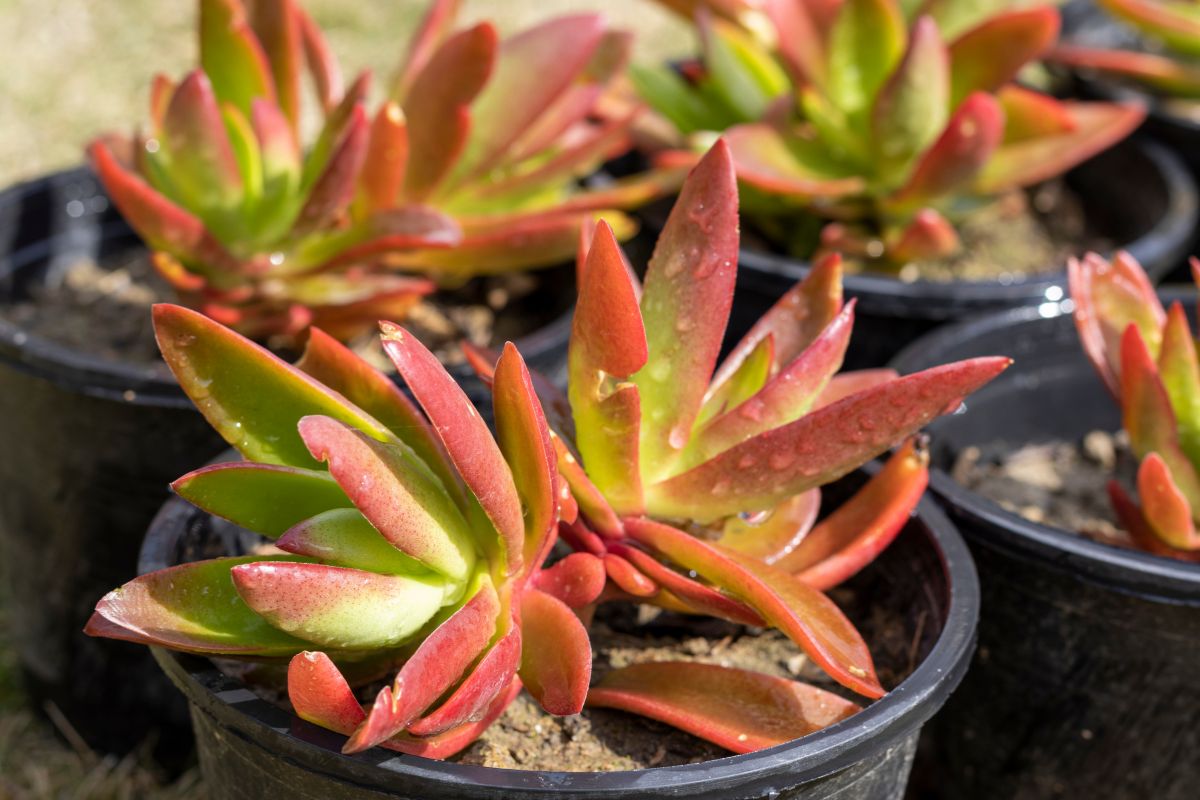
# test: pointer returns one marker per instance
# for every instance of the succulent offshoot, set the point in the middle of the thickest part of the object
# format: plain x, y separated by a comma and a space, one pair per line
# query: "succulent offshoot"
885, 121
697, 485
1147, 357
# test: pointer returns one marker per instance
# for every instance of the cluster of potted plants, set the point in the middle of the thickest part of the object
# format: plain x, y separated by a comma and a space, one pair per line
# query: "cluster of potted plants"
514, 511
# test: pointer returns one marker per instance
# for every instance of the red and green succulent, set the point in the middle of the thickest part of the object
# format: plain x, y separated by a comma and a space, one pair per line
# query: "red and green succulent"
698, 485
459, 173
886, 120
1147, 358
1168, 67
410, 537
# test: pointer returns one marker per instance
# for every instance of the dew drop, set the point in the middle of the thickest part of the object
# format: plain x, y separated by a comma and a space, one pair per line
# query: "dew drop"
781, 460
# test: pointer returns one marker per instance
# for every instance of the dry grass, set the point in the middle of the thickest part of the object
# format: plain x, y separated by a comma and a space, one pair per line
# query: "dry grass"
72, 68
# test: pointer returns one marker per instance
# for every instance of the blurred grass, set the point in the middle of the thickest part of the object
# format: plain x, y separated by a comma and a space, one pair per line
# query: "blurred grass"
70, 69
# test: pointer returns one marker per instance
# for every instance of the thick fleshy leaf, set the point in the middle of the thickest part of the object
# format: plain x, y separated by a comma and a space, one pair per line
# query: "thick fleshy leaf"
694, 596
743, 383
386, 160
232, 56
194, 608
452, 741
524, 440
435, 666
264, 498
1109, 296
739, 710
335, 187
809, 618
801, 40
486, 681
1147, 416
436, 106
740, 70
344, 371
1166, 509
556, 658
433, 30
1161, 73
968, 143
343, 537
914, 103
862, 527
252, 398
464, 434
990, 55
319, 693
204, 170
162, 224
777, 534
795, 320
845, 384
592, 503
819, 447
532, 70
576, 580
278, 29
865, 44
627, 577
1097, 127
338, 607
1029, 114
1175, 23
607, 339
399, 497
322, 65
1139, 530
786, 397
686, 300
929, 236
767, 160
1180, 373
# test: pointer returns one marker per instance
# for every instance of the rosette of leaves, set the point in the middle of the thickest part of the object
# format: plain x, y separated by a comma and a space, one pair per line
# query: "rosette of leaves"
245, 223
888, 121
697, 485
1168, 66
401, 536
1147, 358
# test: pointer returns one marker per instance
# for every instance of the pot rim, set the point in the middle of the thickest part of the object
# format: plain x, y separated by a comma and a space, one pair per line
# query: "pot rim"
1121, 568
82, 371
1157, 248
898, 714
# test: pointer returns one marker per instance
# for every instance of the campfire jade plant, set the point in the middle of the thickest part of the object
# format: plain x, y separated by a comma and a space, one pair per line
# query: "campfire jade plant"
1147, 358
1171, 69
400, 537
457, 174
887, 120
698, 490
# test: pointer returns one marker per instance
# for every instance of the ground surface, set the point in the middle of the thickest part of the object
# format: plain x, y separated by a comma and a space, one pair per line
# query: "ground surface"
70, 69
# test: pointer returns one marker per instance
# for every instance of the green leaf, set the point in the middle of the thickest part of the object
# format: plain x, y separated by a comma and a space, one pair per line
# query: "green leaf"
867, 39
745, 74
344, 538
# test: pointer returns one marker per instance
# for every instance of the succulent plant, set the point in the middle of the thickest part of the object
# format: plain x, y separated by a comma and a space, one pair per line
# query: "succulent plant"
698, 486
886, 120
400, 537
1147, 358
245, 224
1172, 32
457, 174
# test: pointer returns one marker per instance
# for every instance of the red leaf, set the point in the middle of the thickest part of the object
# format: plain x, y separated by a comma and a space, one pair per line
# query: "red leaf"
319, 693
387, 158
556, 659
436, 665
575, 580
1164, 505
463, 433
736, 709
991, 54
847, 383
335, 187
858, 531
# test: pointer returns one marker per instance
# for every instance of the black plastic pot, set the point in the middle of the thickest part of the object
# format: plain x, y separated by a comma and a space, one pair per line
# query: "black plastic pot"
250, 748
89, 448
1084, 683
1137, 195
